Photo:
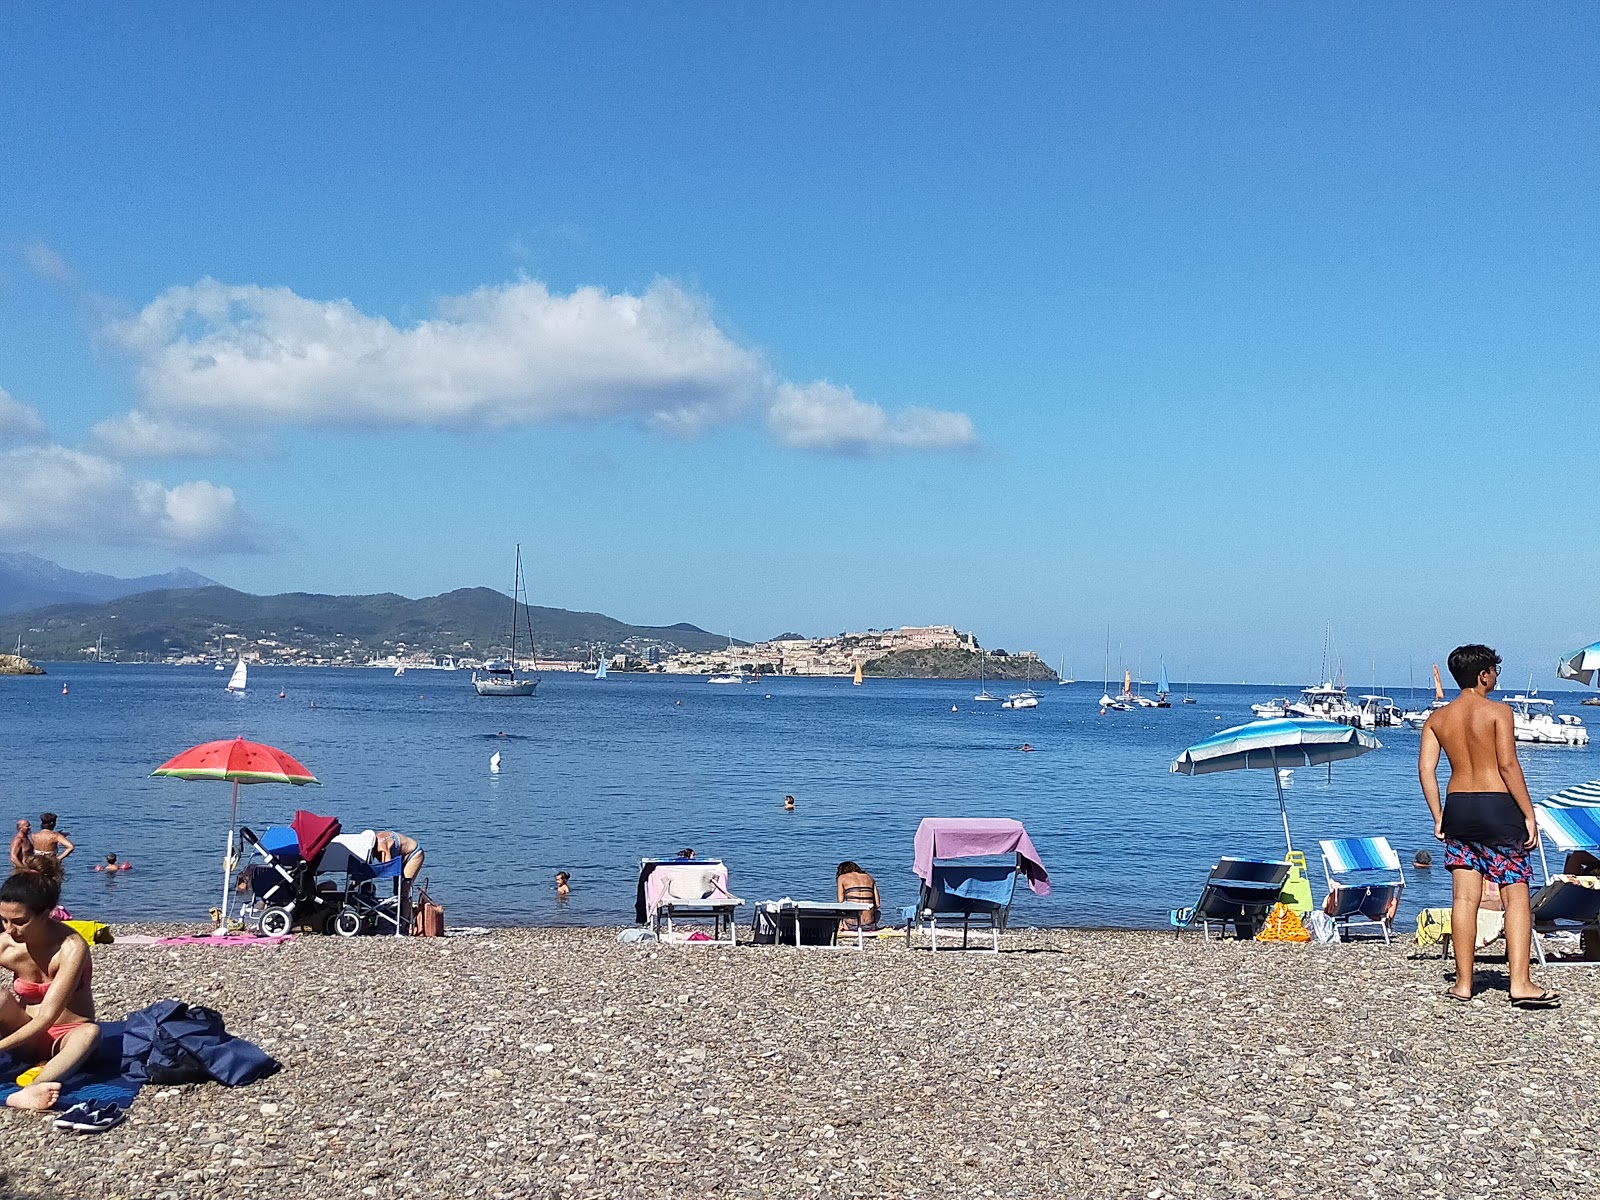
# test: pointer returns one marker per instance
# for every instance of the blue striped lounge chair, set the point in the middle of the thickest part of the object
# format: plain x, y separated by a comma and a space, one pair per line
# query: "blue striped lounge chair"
1238, 892
1564, 900
1365, 883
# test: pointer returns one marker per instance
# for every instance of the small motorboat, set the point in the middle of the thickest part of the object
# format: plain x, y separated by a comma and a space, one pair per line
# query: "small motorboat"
1021, 700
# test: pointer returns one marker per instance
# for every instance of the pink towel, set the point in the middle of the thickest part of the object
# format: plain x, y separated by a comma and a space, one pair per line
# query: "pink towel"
685, 881
965, 837
229, 939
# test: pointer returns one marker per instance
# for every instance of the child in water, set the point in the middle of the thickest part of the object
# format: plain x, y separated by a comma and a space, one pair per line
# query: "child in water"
563, 884
111, 865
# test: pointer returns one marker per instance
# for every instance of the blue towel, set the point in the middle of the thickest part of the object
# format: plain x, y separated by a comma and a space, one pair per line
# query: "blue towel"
99, 1079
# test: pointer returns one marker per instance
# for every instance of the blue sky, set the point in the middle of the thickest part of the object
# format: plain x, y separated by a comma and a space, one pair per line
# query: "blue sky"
1212, 324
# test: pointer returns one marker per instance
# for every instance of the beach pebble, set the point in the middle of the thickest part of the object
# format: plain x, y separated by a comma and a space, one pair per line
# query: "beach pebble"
1102, 1063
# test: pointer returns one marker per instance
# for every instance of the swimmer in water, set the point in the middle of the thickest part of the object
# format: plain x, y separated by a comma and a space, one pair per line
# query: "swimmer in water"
1026, 747
563, 884
111, 866
788, 804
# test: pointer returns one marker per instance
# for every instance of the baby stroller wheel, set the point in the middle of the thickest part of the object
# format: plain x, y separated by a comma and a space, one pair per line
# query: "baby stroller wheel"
276, 922
347, 922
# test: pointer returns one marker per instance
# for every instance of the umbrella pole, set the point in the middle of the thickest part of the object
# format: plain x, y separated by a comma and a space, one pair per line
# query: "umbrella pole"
1283, 808
227, 859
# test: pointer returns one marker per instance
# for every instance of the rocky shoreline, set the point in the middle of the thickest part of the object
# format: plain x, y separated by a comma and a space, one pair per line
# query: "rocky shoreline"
558, 1063
14, 664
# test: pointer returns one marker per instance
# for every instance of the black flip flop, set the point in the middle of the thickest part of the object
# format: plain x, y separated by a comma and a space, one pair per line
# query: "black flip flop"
1542, 1000
1459, 999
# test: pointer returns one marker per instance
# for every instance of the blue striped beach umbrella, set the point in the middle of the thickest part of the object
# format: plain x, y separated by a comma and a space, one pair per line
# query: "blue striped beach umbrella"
1273, 745
1583, 795
1582, 665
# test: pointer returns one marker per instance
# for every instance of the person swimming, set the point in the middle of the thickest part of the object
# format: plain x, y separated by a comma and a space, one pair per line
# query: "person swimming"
48, 1016
563, 884
112, 866
788, 804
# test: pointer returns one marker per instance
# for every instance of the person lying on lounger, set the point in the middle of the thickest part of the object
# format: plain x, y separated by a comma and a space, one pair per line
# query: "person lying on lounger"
856, 885
48, 1016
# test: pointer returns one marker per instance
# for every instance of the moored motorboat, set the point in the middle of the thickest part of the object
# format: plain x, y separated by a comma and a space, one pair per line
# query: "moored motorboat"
1535, 722
1029, 699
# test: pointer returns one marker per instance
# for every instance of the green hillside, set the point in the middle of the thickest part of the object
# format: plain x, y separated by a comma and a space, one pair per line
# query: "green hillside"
306, 627
958, 664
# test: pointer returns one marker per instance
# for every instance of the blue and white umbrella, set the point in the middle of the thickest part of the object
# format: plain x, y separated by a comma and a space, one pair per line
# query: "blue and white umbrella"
1273, 745
1581, 665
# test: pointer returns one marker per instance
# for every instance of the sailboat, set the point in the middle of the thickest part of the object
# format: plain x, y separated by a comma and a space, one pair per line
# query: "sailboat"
983, 687
1061, 675
857, 680
1163, 688
236, 682
1107, 704
600, 671
1187, 699
498, 676
1418, 717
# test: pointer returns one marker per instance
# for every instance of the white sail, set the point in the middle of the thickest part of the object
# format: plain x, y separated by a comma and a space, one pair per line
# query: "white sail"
236, 684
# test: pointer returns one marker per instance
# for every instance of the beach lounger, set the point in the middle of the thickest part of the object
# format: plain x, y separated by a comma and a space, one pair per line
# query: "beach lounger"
1565, 900
1238, 892
1365, 883
688, 891
977, 890
969, 868
789, 922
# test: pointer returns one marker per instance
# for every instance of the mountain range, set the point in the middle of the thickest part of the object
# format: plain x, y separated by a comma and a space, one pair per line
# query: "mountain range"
216, 621
59, 613
28, 581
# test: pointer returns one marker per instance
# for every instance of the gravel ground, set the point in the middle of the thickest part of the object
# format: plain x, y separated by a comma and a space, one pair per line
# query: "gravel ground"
559, 1063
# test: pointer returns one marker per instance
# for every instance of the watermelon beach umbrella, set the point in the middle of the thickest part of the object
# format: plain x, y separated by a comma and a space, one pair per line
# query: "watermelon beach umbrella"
1273, 745
236, 761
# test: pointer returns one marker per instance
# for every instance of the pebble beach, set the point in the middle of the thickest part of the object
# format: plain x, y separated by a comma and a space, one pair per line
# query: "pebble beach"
559, 1063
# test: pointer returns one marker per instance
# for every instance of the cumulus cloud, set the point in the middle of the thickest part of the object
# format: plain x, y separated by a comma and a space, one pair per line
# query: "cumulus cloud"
495, 357
47, 263
51, 493
214, 355
829, 419
140, 435
18, 422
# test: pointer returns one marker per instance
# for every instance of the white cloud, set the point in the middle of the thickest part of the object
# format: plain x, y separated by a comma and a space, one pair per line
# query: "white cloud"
139, 435
829, 419
18, 422
47, 262
51, 493
495, 357
215, 356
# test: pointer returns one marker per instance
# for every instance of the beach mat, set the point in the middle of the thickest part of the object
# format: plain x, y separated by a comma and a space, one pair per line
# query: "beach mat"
99, 1080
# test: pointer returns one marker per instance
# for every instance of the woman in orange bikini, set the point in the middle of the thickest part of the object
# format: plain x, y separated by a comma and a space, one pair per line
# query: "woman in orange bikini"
48, 1015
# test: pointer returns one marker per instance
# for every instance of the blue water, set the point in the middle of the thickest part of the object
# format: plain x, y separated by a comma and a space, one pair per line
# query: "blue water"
596, 774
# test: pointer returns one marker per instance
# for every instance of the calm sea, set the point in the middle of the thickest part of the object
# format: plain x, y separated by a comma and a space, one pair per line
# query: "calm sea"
596, 774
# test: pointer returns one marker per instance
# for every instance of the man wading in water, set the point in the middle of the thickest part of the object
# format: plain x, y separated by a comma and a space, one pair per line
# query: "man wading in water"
1487, 821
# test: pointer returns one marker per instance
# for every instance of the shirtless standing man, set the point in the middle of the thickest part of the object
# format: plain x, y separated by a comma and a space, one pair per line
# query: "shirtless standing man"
1486, 822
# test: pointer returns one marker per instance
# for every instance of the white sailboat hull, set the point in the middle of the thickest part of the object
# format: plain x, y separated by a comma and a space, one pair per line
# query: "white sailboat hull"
491, 686
239, 678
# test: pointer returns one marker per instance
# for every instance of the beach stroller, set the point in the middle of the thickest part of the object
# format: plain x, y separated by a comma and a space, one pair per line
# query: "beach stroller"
369, 894
1240, 892
1571, 900
285, 883
969, 868
1365, 882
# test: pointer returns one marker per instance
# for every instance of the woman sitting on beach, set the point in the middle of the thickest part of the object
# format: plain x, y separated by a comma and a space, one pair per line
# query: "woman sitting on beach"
856, 886
48, 1016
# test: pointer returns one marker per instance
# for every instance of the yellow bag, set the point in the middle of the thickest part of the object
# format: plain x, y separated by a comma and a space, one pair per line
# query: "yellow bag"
93, 932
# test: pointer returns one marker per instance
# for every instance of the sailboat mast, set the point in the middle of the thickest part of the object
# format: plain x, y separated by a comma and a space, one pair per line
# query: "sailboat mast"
516, 586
